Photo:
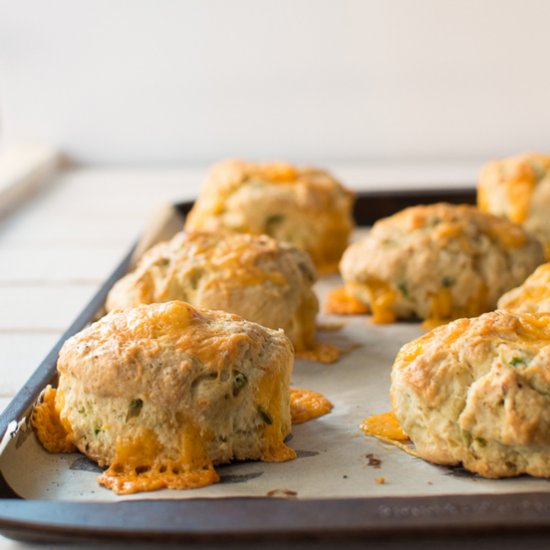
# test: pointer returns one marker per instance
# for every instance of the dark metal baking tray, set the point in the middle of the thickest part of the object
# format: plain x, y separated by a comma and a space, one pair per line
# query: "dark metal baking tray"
255, 519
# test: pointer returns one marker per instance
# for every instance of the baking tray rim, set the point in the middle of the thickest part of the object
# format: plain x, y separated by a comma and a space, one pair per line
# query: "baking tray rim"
235, 518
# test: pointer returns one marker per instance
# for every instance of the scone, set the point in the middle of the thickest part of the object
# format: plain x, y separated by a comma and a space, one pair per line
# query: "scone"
303, 206
161, 392
519, 188
255, 277
477, 392
533, 296
438, 262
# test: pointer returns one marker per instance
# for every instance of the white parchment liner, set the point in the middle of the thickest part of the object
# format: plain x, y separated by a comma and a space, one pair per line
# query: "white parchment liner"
332, 452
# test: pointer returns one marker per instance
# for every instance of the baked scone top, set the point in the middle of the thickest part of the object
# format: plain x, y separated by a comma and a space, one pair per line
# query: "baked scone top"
506, 186
225, 177
477, 392
438, 262
252, 275
100, 356
533, 296
305, 206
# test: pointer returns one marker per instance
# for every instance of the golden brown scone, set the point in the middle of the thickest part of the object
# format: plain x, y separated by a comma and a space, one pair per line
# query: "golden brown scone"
161, 392
438, 262
477, 392
518, 188
533, 296
304, 206
255, 277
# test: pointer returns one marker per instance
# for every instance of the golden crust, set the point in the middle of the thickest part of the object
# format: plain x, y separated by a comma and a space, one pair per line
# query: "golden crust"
305, 206
438, 262
161, 392
477, 392
518, 188
256, 277
533, 296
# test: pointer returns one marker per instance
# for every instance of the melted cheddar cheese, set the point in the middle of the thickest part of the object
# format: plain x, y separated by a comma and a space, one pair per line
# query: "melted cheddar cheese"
140, 464
322, 352
53, 434
305, 318
237, 255
382, 297
170, 321
518, 194
340, 302
269, 404
444, 310
441, 310
306, 405
384, 426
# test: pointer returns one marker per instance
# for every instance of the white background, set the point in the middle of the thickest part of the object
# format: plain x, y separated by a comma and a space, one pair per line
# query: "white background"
156, 82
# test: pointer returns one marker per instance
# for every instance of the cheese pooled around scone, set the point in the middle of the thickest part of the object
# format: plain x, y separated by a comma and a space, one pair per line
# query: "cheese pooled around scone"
161, 392
438, 262
519, 188
255, 277
304, 206
477, 392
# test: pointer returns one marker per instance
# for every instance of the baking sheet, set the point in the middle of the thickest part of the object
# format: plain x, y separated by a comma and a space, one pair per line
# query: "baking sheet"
333, 454
335, 459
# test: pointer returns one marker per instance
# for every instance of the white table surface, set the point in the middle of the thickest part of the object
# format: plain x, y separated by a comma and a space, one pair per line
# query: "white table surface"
58, 246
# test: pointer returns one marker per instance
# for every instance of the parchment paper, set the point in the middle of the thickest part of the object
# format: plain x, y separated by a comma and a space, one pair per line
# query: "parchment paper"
335, 459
